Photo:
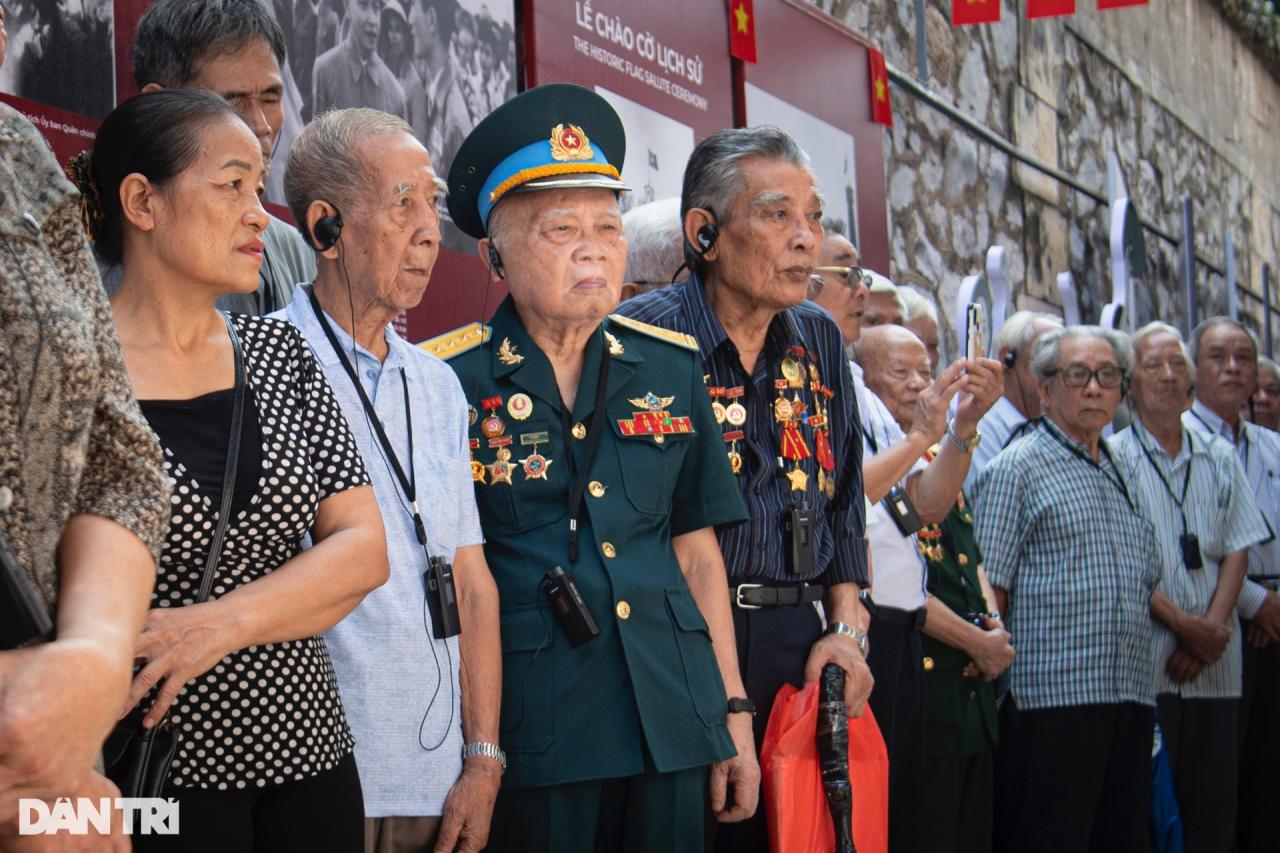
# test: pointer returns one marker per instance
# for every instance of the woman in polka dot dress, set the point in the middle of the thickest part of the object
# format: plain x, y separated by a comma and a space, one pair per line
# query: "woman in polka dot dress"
264, 758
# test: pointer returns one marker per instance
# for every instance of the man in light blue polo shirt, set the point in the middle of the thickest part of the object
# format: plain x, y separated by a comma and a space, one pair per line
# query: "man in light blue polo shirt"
366, 197
1195, 493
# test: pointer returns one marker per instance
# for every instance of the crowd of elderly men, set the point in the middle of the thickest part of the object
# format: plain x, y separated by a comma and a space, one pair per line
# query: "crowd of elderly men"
1021, 562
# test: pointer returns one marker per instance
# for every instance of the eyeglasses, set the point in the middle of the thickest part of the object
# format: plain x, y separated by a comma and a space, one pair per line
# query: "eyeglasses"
1079, 376
850, 276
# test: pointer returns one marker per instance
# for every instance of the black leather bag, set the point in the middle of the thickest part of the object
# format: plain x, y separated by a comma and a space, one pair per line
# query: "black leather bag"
137, 760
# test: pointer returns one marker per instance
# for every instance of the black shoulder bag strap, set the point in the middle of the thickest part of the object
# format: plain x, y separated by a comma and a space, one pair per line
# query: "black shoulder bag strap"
229, 472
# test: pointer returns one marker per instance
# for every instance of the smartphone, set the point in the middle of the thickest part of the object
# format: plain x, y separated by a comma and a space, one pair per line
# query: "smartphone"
22, 615
975, 344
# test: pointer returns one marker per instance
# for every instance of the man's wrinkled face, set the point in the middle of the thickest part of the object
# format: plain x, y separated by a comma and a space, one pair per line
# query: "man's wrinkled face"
564, 253
250, 80
1266, 400
769, 239
844, 294
1226, 367
926, 329
392, 237
881, 309
1161, 378
1082, 409
901, 376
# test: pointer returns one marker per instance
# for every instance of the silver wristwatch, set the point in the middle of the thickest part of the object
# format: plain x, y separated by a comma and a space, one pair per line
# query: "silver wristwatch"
485, 750
859, 636
962, 445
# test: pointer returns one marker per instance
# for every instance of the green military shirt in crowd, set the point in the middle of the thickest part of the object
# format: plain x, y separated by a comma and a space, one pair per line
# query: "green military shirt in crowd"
647, 688
960, 712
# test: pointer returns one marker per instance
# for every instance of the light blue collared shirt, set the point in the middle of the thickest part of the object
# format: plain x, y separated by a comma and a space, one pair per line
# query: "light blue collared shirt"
1259, 452
1218, 509
390, 670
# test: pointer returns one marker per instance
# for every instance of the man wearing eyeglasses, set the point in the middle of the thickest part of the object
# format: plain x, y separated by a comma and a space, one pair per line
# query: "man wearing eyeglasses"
1074, 565
838, 283
1195, 493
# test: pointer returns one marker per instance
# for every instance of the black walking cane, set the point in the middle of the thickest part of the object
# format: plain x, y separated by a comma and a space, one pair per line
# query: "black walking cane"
833, 755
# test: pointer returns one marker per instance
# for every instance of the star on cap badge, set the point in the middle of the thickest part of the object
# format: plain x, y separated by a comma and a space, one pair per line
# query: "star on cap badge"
570, 143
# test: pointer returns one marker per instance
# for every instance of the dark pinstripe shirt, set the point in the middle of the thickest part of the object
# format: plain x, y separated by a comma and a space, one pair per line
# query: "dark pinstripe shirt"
758, 548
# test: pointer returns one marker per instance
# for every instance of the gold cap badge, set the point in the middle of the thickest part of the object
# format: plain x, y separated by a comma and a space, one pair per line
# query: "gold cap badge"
570, 143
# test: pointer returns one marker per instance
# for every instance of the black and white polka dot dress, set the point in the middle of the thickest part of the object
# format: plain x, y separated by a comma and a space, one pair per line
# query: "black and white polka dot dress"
266, 714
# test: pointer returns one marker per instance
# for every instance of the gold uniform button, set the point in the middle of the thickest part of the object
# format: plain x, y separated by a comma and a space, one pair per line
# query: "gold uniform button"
928, 664
608, 550
623, 610
962, 559
596, 489
579, 431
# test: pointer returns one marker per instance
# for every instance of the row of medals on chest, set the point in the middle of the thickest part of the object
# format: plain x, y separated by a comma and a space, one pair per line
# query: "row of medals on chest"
789, 413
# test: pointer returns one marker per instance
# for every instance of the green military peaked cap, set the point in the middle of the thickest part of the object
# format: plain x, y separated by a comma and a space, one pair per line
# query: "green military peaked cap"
549, 137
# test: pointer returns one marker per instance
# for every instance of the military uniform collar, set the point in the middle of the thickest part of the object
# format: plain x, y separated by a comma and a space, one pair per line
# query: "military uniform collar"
783, 328
515, 356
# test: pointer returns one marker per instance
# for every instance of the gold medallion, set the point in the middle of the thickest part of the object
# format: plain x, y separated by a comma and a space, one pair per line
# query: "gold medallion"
477, 471
570, 143
500, 470
520, 406
782, 409
718, 409
792, 373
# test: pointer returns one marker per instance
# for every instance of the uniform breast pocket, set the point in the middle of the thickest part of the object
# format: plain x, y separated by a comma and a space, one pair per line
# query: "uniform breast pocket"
528, 696
651, 453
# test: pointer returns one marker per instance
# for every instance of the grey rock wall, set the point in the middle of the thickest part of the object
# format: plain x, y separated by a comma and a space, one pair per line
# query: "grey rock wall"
1069, 91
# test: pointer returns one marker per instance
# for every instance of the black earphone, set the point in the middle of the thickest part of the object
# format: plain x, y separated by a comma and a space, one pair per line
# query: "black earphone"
495, 261
1010, 357
327, 231
706, 238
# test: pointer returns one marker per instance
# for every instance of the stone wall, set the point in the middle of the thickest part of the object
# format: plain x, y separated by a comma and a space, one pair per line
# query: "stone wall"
1170, 88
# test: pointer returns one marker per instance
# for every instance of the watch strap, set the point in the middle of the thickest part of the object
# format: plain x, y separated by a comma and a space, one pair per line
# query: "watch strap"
480, 749
741, 705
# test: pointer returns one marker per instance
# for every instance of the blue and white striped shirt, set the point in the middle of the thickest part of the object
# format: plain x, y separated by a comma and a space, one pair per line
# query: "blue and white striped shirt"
1059, 533
1219, 509
757, 549
1259, 451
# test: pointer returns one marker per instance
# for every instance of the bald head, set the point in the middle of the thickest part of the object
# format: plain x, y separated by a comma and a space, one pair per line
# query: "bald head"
896, 368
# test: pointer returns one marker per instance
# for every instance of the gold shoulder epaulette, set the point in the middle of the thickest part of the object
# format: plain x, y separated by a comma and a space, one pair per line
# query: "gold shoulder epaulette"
458, 341
680, 339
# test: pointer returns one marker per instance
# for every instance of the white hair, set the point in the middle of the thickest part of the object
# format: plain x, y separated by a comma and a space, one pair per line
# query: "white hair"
1044, 361
881, 284
1157, 327
1017, 331
655, 241
916, 305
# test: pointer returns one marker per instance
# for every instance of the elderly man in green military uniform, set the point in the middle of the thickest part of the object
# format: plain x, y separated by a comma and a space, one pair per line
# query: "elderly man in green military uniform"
599, 475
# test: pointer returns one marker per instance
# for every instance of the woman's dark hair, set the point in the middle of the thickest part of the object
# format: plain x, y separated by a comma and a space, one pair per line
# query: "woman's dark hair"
156, 135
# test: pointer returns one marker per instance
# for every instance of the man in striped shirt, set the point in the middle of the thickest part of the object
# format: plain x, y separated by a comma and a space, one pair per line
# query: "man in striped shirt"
1225, 353
1073, 563
1194, 492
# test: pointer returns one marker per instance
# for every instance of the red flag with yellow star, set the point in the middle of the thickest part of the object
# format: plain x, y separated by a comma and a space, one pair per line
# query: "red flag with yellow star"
881, 112
742, 30
974, 12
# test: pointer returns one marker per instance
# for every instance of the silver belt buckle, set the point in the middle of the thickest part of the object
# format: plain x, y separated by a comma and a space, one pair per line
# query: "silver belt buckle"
737, 596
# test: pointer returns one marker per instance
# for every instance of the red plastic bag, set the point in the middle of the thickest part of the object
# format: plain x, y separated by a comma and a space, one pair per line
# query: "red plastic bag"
794, 802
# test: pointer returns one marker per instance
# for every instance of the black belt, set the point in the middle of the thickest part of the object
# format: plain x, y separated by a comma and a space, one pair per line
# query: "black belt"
911, 620
753, 596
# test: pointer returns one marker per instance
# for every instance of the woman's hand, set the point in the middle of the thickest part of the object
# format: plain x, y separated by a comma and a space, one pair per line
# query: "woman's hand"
178, 644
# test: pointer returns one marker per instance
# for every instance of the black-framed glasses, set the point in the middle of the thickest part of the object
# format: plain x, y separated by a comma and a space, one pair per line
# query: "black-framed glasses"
1079, 376
848, 276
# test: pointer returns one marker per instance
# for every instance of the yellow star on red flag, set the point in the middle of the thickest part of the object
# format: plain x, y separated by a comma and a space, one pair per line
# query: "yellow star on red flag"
742, 30
742, 16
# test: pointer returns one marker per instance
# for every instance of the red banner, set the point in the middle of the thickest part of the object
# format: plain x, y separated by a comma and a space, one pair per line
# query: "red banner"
1050, 8
742, 30
881, 112
1116, 4
975, 11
